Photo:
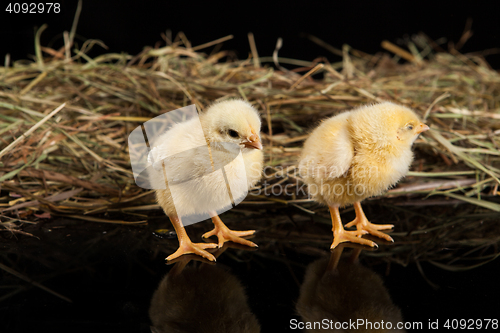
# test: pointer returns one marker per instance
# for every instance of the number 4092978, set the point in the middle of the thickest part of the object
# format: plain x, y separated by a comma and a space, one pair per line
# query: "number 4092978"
33, 8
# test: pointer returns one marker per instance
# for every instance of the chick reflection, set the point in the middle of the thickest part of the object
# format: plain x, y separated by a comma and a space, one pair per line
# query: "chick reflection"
339, 292
204, 298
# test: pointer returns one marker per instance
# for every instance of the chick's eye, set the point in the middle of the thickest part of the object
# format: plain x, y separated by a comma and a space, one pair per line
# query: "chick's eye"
233, 133
410, 127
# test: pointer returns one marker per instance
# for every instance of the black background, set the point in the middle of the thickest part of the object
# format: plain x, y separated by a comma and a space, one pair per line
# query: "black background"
128, 26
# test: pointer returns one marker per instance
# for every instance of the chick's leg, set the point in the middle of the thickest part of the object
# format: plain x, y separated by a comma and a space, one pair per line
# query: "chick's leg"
340, 235
224, 234
366, 227
185, 244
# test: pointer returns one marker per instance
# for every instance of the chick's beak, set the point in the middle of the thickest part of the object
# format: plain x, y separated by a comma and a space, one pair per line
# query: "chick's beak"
422, 128
253, 142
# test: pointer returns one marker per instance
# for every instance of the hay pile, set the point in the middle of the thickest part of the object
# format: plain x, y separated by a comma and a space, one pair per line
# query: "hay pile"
72, 160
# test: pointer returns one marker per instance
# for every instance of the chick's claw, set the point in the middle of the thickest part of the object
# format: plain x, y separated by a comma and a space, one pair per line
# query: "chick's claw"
197, 248
364, 227
341, 236
224, 234
216, 231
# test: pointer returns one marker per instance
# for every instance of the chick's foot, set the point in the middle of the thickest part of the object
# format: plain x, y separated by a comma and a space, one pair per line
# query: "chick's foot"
340, 235
364, 226
186, 246
224, 234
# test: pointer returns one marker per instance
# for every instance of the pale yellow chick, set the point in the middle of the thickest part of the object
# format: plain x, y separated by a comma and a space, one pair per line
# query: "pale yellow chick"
355, 155
203, 164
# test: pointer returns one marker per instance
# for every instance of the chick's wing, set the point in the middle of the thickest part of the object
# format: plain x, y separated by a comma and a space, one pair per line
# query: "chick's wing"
329, 151
183, 151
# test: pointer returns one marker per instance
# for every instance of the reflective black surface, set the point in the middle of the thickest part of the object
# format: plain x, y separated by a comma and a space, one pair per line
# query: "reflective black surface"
111, 272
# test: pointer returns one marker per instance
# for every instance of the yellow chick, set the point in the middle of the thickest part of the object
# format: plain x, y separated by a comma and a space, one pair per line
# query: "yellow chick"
208, 170
355, 155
